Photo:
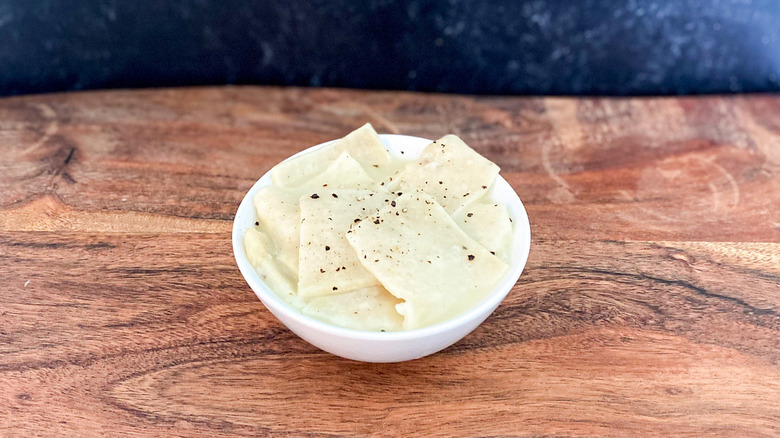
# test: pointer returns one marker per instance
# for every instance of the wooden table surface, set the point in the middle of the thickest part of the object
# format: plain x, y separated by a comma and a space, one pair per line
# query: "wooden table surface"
650, 304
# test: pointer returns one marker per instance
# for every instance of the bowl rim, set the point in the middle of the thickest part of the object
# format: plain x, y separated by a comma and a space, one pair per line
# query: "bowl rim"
521, 245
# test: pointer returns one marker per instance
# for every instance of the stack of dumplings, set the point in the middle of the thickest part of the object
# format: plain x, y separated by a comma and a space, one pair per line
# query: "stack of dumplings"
353, 236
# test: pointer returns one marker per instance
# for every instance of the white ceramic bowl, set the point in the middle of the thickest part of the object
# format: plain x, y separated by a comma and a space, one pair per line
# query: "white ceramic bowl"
385, 346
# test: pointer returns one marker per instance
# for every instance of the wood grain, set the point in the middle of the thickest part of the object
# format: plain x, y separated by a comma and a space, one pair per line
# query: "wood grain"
650, 304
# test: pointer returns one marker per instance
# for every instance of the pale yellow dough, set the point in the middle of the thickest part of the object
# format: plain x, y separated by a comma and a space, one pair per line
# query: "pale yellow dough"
278, 215
328, 265
420, 255
489, 224
261, 252
335, 239
372, 308
363, 145
451, 172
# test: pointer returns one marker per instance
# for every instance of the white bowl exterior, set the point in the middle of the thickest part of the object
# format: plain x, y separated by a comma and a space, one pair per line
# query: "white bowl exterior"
391, 346
380, 351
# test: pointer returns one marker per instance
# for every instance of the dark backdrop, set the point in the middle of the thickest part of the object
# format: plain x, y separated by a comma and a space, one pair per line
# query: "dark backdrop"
491, 46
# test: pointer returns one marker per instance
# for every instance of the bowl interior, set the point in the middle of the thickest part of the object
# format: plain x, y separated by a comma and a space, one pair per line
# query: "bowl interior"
409, 148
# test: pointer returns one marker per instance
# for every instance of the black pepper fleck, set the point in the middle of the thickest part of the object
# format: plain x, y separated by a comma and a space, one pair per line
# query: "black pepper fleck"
334, 195
471, 257
470, 214
257, 223
392, 204
335, 288
327, 248
376, 221
315, 196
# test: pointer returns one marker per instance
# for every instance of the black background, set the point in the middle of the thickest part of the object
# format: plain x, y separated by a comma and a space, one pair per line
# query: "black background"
487, 47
